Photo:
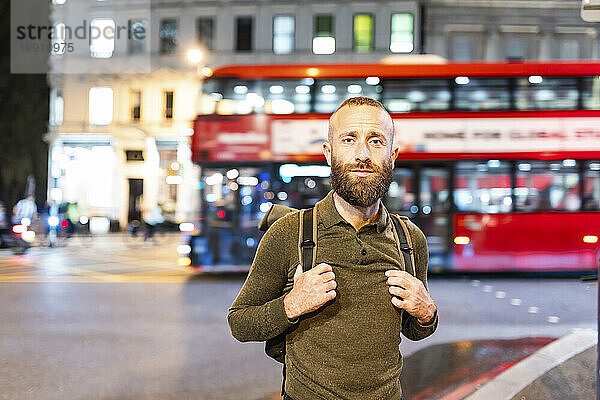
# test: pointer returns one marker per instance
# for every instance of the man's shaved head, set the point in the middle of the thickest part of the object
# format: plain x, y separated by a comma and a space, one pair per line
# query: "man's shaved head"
356, 102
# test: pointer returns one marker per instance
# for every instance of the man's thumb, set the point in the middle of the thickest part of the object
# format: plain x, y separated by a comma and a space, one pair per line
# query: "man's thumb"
298, 271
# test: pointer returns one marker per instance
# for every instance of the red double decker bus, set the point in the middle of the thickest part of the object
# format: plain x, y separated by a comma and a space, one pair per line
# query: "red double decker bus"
499, 163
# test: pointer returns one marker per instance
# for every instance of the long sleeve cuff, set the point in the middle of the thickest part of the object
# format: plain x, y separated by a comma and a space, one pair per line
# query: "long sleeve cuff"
429, 325
259, 323
417, 331
278, 316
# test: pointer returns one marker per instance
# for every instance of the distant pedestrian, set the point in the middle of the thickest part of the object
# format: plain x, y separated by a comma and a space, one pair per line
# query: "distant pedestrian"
24, 210
153, 219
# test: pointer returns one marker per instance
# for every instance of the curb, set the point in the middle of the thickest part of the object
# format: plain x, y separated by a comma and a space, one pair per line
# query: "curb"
509, 383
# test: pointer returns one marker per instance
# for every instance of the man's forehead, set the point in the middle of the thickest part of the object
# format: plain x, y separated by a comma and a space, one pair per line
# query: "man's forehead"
348, 116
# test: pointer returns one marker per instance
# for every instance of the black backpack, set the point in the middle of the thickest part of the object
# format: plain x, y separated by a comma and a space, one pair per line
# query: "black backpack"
275, 347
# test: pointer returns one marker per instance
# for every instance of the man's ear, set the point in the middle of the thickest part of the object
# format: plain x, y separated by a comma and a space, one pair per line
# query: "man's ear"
395, 153
327, 152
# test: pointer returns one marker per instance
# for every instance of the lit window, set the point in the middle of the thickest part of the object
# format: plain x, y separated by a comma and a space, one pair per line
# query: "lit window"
136, 105
401, 39
100, 105
324, 38
283, 34
56, 107
102, 37
363, 32
168, 105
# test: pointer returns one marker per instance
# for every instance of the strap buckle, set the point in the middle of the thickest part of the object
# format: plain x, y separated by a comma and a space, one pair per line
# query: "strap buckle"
307, 243
406, 249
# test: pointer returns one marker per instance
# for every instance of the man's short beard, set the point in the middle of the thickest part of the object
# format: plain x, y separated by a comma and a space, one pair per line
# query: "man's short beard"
360, 191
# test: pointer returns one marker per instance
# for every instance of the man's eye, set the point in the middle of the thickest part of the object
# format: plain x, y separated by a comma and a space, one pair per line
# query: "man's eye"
347, 140
377, 141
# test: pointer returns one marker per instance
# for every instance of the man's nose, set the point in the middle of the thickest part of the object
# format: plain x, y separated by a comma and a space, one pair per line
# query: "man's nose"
362, 152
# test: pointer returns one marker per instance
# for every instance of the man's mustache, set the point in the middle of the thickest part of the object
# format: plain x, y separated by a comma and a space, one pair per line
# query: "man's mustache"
364, 165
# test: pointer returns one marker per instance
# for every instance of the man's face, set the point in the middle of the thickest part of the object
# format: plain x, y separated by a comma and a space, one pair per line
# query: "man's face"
360, 154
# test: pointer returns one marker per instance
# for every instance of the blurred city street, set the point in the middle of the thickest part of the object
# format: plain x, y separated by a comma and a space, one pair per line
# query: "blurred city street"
104, 321
147, 148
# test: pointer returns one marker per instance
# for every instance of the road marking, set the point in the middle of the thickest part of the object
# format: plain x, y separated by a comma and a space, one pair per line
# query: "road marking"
533, 310
500, 294
515, 302
510, 382
553, 319
475, 283
487, 288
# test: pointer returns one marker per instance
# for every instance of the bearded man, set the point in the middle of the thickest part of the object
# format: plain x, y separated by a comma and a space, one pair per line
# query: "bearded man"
344, 316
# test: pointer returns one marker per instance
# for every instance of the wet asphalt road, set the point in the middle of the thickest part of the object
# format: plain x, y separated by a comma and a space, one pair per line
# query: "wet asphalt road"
74, 333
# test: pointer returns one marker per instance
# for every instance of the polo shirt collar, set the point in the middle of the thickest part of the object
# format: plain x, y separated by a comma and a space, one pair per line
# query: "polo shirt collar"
329, 215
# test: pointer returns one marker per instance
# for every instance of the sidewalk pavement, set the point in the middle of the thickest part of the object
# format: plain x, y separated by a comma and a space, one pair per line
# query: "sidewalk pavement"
564, 369
453, 371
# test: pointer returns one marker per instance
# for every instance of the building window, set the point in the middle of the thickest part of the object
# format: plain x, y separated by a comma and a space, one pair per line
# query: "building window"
283, 34
57, 105
136, 40
243, 34
205, 28
568, 49
466, 46
168, 36
402, 34
102, 37
169, 105
363, 32
324, 38
100, 105
136, 105
516, 48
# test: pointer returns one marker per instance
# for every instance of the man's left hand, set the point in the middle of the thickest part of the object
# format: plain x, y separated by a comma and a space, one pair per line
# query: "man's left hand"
409, 293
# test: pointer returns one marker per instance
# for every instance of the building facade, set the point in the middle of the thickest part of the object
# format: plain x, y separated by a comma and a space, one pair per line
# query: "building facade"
122, 107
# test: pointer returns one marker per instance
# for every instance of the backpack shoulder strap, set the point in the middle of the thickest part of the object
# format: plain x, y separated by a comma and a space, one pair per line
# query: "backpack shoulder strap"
307, 236
404, 242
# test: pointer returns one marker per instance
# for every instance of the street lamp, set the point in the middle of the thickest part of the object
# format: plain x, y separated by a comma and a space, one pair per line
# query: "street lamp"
195, 56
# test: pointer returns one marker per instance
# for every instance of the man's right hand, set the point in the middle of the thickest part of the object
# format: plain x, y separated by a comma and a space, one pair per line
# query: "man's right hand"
311, 290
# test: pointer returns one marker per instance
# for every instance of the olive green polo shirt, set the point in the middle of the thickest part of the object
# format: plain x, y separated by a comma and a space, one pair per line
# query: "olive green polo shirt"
349, 348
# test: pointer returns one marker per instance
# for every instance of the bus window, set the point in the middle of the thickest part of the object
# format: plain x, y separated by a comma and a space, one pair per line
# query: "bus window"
482, 94
590, 91
234, 96
408, 95
285, 96
544, 93
435, 204
547, 185
330, 93
591, 186
434, 191
400, 196
483, 186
